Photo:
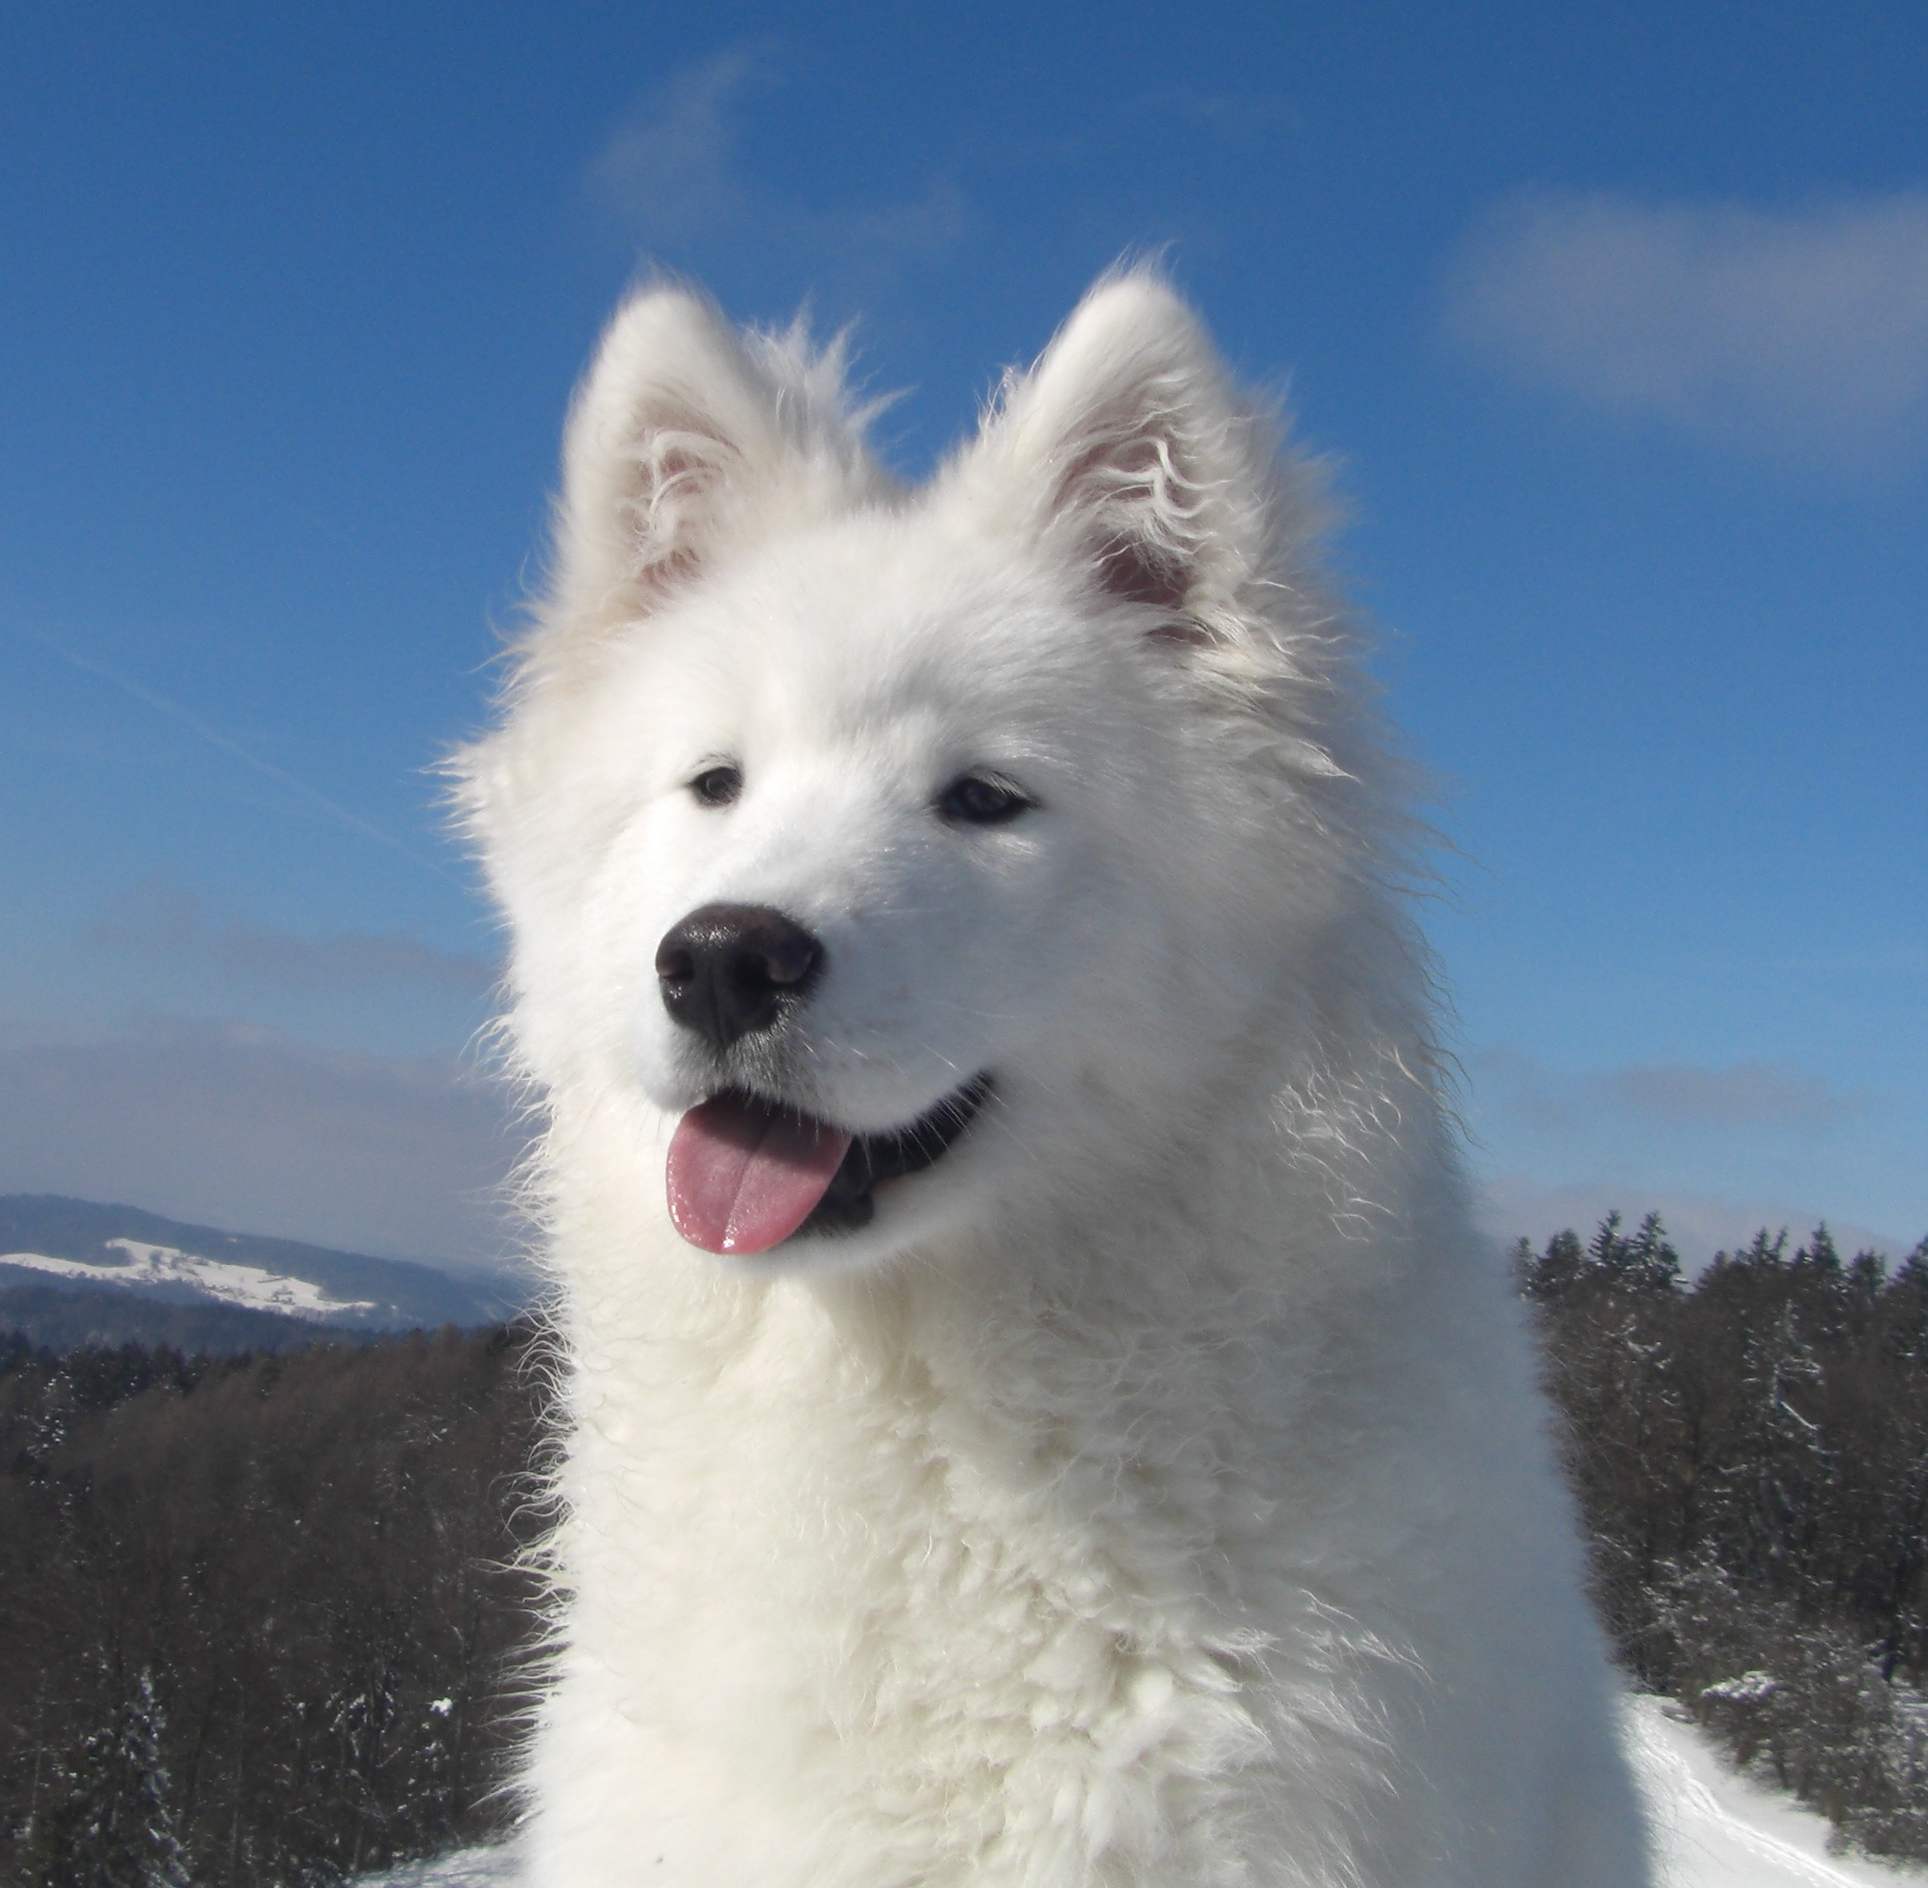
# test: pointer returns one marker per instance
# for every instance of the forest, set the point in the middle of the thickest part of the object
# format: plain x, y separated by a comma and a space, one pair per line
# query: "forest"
260, 1627
1751, 1456
256, 1627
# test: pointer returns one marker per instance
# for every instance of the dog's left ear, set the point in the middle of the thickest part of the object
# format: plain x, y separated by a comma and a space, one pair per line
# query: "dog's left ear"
1128, 445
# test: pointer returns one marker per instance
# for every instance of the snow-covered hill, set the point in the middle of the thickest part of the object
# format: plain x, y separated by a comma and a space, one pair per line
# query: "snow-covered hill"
79, 1245
1715, 1830
150, 1268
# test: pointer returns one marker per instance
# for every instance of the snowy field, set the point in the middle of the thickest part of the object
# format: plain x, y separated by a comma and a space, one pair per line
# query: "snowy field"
1715, 1830
148, 1266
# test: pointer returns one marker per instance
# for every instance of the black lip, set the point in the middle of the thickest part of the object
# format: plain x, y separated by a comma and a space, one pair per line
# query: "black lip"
849, 1201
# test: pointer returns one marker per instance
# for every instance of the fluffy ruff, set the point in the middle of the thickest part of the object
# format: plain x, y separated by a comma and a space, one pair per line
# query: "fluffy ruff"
1150, 1486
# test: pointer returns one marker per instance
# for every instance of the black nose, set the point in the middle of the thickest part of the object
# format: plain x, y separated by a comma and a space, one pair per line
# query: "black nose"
729, 970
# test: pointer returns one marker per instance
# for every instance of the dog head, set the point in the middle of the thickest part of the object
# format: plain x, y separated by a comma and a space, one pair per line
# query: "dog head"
918, 853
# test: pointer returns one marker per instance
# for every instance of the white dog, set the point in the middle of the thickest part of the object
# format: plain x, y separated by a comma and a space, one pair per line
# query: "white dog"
1036, 1412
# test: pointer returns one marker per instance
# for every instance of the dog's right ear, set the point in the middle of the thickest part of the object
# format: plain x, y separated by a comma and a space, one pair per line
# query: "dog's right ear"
673, 434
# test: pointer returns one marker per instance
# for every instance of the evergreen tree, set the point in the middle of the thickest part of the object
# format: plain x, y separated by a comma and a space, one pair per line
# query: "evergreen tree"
1607, 1250
1764, 1255
1867, 1279
1777, 1457
1819, 1254
1557, 1270
116, 1827
1652, 1263
1905, 1304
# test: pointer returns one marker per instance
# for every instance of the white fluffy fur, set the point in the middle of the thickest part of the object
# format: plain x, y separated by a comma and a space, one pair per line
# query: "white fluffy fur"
1156, 1493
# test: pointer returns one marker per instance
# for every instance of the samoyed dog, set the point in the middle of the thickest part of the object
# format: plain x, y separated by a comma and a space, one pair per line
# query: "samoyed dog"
1035, 1411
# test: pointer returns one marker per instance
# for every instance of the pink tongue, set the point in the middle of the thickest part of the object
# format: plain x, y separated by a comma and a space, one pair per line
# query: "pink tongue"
743, 1176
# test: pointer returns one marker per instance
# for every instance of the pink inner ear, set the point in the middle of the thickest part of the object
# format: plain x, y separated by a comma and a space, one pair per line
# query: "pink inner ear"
1124, 473
1132, 569
673, 479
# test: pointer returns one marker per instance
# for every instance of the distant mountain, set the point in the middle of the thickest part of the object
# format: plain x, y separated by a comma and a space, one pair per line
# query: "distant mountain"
142, 1261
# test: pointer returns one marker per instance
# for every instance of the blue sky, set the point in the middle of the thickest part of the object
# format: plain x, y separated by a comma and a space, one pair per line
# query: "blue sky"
1616, 320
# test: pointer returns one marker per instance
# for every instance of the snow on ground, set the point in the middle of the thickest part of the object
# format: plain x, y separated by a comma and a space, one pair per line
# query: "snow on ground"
1715, 1829
221, 1278
471, 1868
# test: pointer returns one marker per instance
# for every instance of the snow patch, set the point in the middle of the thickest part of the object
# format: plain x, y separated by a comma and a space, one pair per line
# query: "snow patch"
1713, 1828
1749, 1688
232, 1283
467, 1868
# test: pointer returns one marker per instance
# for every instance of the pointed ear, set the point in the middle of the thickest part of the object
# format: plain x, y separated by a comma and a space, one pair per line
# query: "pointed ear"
1127, 444
686, 439
665, 432
684, 434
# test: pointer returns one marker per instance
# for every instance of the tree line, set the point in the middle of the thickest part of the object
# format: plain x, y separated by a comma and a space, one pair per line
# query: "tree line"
1751, 1454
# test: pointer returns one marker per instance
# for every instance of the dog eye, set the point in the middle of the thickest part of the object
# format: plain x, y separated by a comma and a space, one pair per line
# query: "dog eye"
982, 800
717, 786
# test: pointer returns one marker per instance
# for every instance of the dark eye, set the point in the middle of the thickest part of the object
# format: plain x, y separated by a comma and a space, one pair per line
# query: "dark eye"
717, 786
982, 800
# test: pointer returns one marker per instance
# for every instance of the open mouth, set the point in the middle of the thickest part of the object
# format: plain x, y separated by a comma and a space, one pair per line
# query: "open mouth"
745, 1173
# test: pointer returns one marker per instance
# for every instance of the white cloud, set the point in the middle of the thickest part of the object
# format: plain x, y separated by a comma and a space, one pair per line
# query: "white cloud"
1748, 1094
675, 175
1562, 1147
1239, 118
160, 920
670, 169
1801, 332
